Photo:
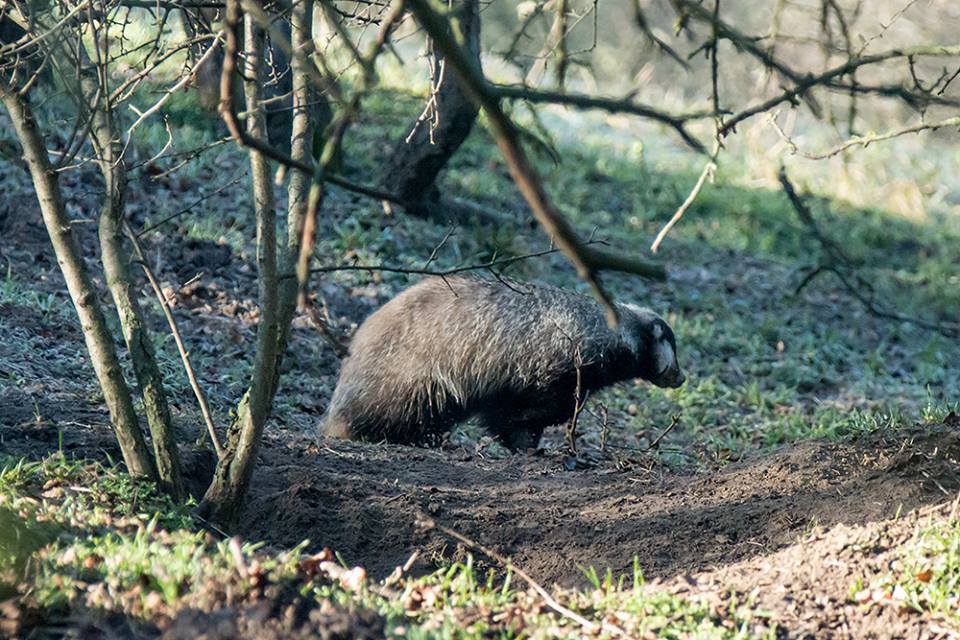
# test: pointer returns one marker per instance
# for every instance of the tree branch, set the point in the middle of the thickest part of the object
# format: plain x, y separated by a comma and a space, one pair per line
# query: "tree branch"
586, 260
610, 105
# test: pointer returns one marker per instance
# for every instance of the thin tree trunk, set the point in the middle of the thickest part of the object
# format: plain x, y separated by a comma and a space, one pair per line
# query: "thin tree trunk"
301, 147
412, 169
232, 476
99, 342
116, 260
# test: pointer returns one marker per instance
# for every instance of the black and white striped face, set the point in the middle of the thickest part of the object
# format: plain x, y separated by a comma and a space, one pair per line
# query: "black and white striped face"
657, 349
665, 357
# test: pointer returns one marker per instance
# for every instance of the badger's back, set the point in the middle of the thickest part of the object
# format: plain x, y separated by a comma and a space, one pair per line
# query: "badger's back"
429, 356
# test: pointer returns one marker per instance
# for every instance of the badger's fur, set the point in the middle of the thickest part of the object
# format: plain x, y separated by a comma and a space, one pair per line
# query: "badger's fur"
449, 348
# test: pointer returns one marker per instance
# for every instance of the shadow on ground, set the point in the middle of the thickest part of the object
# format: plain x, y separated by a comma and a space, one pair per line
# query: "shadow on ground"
364, 500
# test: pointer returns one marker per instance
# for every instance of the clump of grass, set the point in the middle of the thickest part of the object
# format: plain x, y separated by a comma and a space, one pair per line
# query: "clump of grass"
100, 541
653, 613
14, 290
930, 580
924, 574
461, 602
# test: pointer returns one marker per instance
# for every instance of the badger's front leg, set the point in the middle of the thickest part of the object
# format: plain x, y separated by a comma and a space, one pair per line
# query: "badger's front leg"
518, 421
522, 437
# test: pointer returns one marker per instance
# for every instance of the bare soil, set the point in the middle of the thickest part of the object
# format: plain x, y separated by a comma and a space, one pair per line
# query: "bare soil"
364, 500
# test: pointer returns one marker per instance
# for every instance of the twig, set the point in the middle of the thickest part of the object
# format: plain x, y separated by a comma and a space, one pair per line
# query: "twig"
641, 19
602, 418
862, 141
175, 332
589, 626
579, 400
436, 249
335, 341
489, 265
674, 421
884, 26
708, 171
400, 571
430, 111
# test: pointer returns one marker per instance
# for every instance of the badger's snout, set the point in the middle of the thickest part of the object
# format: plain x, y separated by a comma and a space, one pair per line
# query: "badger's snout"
671, 378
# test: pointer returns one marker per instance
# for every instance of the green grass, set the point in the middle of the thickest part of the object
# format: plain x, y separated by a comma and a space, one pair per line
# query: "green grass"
924, 574
83, 539
15, 290
931, 577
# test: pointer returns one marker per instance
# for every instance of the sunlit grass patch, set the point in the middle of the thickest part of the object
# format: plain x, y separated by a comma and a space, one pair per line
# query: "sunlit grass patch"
930, 578
462, 602
924, 575
119, 545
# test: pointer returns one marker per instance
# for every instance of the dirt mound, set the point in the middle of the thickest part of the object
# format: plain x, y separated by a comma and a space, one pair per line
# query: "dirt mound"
363, 500
806, 587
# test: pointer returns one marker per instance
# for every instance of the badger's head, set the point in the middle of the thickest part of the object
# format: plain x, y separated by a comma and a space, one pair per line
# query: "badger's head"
652, 342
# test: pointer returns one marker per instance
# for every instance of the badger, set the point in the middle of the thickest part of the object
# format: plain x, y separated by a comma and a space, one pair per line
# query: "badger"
510, 353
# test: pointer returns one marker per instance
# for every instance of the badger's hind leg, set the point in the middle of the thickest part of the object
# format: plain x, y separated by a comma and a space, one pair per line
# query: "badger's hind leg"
518, 421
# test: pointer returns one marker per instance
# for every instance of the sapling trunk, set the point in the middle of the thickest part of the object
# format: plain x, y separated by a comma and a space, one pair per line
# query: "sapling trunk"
226, 492
116, 261
97, 336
